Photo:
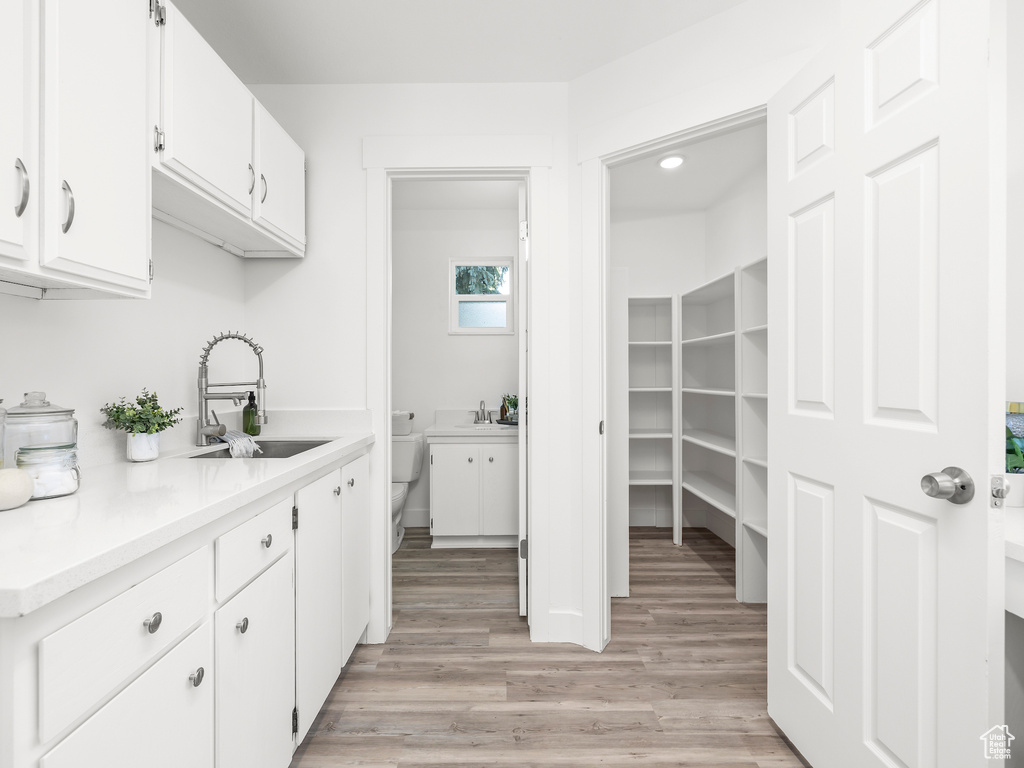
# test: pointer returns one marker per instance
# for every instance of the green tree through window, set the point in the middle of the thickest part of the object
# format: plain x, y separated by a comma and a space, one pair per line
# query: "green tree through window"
480, 280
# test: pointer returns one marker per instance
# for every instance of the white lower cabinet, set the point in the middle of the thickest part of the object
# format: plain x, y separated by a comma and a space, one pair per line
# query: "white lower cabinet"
474, 489
355, 553
164, 719
256, 671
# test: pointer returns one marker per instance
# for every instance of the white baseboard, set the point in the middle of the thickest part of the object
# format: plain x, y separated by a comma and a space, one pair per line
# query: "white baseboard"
415, 518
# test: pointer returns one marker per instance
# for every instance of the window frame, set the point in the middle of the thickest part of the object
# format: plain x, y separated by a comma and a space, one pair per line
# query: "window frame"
454, 329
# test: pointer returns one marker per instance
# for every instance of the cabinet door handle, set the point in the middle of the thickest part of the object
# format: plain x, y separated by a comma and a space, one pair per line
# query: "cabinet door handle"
71, 207
20, 207
351, 482
337, 491
196, 678
470, 459
243, 625
252, 179
491, 459
266, 188
267, 540
152, 624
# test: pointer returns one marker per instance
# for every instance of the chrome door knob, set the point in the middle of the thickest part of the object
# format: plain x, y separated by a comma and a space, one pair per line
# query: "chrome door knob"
952, 484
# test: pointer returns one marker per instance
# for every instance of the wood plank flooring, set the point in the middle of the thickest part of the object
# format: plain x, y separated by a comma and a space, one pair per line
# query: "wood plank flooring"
458, 682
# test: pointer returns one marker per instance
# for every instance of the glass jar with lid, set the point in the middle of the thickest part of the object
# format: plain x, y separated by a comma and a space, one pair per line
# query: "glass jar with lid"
53, 468
37, 422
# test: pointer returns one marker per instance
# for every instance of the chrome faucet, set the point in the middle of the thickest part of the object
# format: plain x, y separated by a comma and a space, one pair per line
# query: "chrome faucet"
205, 429
481, 415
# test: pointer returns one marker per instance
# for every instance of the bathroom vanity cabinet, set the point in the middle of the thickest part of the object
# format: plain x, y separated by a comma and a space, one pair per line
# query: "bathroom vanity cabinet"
474, 494
215, 648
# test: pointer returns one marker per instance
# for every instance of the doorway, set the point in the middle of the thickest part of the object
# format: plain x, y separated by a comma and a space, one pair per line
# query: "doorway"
686, 242
459, 314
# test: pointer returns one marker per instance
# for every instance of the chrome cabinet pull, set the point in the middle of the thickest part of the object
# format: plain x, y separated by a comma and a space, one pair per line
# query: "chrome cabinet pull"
252, 179
152, 624
491, 459
266, 188
470, 459
20, 207
337, 491
351, 482
243, 625
196, 678
71, 207
267, 540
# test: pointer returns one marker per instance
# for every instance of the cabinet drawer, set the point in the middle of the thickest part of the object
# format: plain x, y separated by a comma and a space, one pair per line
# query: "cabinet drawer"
161, 720
243, 551
82, 662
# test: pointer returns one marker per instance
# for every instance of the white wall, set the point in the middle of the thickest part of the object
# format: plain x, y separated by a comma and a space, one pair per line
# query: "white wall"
664, 253
430, 368
737, 226
1015, 201
84, 354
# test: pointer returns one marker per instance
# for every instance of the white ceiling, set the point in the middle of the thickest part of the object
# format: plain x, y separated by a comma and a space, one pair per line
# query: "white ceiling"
712, 168
434, 41
454, 195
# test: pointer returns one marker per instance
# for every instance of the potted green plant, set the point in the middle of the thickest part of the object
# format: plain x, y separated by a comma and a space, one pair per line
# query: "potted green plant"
143, 420
511, 403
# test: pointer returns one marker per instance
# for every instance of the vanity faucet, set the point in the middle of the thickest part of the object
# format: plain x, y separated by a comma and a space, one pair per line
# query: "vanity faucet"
481, 415
205, 429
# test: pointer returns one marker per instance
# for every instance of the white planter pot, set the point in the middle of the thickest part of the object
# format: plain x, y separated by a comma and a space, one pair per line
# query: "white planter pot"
143, 447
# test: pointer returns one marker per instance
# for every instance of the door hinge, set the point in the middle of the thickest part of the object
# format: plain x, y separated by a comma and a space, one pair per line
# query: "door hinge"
157, 12
600, 427
295, 721
523, 549
1000, 490
295, 518
431, 458
524, 230
158, 138
151, 270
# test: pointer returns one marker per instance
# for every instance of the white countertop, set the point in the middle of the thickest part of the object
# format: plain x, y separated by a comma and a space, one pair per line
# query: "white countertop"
458, 423
124, 511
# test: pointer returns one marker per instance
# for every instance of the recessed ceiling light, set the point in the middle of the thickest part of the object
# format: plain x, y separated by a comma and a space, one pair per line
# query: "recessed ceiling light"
672, 161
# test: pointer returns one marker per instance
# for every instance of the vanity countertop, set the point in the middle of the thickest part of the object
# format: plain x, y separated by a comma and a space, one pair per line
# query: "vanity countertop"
457, 426
124, 511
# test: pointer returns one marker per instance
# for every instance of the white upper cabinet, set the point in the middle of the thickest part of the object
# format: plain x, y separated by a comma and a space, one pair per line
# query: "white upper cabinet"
225, 170
279, 199
74, 149
206, 116
19, 177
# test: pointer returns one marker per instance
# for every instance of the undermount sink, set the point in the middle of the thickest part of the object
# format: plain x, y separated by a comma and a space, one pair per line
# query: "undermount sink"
272, 449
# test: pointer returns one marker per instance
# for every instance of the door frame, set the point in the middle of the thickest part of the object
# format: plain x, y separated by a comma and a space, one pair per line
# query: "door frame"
386, 159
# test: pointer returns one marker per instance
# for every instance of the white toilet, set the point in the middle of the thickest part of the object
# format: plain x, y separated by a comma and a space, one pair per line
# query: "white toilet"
406, 464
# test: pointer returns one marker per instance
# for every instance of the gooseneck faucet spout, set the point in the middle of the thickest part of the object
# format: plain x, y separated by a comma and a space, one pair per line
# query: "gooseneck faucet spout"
205, 429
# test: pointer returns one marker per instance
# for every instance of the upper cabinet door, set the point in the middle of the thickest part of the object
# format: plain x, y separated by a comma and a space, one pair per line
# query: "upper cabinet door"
96, 140
279, 199
19, 171
206, 116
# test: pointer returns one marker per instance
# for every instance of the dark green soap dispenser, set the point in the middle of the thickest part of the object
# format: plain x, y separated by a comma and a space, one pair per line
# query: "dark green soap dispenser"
249, 425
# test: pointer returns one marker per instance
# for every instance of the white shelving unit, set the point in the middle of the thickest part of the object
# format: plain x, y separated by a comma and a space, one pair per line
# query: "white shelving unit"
653, 425
752, 445
723, 417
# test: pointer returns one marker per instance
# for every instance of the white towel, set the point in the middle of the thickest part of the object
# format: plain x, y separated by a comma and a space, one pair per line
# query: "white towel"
241, 445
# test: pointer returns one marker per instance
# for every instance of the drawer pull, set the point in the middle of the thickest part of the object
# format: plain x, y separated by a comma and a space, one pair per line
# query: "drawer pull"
243, 625
152, 624
491, 459
196, 678
352, 482
470, 459
337, 491
267, 540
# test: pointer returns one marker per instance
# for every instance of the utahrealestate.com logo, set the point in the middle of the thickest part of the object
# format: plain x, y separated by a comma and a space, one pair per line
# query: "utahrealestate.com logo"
997, 742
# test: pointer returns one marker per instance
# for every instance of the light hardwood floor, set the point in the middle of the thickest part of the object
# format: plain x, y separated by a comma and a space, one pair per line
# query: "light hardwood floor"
458, 682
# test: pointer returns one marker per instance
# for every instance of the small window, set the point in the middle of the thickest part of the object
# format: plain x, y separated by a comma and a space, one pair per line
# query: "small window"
482, 296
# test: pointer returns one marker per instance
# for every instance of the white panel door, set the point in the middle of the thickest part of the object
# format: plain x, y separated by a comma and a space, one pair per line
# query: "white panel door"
256, 671
279, 199
355, 553
317, 596
499, 491
454, 490
880, 273
97, 140
206, 116
523, 299
19, 171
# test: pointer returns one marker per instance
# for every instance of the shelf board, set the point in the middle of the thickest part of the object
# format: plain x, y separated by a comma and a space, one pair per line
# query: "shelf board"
755, 396
711, 440
754, 266
710, 292
757, 329
717, 492
712, 339
706, 391
757, 461
650, 389
650, 477
650, 343
756, 528
648, 434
